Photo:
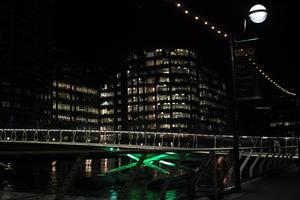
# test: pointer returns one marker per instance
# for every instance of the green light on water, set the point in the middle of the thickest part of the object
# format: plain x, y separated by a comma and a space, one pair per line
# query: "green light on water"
113, 195
2, 164
170, 195
147, 162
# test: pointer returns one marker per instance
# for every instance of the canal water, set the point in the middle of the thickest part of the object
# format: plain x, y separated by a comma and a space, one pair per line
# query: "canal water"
31, 180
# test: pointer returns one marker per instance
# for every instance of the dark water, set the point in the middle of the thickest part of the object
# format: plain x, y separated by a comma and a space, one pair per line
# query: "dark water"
41, 179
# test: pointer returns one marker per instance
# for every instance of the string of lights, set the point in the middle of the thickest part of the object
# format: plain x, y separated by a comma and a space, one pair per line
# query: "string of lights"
202, 20
226, 35
268, 78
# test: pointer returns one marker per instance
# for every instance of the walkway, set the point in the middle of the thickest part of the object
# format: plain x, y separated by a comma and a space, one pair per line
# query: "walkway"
276, 186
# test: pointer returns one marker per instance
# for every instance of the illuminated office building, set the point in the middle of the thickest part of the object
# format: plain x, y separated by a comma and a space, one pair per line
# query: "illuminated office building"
74, 106
284, 119
112, 115
75, 96
166, 90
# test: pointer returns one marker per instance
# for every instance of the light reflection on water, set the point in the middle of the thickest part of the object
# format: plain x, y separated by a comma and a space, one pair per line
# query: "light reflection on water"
44, 178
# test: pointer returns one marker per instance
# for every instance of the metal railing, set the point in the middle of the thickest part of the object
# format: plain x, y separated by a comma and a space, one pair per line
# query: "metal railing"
136, 139
212, 176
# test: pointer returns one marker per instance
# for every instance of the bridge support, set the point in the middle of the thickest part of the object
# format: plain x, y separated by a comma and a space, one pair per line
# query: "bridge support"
168, 180
68, 180
128, 183
251, 169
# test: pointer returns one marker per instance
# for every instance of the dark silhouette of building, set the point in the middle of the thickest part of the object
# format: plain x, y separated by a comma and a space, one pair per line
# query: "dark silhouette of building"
24, 70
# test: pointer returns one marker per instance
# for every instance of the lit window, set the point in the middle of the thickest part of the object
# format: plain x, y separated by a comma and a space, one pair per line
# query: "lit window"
163, 71
151, 98
107, 94
149, 54
181, 115
179, 125
149, 63
150, 80
165, 126
163, 115
163, 61
151, 108
163, 106
162, 88
164, 80
150, 117
150, 89
163, 97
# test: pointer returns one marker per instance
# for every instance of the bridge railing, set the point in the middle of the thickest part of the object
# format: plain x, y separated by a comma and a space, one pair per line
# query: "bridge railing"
208, 174
137, 139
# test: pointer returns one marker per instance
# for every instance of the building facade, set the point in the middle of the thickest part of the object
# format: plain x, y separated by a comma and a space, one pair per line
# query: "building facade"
164, 90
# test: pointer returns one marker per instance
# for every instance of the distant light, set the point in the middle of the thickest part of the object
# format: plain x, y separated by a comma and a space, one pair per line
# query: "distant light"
186, 11
263, 108
178, 5
196, 18
258, 13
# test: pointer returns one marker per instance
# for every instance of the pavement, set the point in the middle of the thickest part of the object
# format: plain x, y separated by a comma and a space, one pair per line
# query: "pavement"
279, 185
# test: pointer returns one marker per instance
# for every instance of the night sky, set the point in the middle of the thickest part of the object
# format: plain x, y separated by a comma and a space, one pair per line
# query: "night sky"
100, 32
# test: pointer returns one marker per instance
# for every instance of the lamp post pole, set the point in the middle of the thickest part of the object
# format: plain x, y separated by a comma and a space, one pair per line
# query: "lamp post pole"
236, 153
257, 14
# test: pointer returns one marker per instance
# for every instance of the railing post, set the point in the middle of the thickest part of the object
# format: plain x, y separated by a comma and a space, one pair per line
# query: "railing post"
214, 173
298, 149
251, 169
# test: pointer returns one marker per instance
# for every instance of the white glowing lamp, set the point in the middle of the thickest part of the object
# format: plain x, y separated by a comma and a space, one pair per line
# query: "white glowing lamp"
258, 13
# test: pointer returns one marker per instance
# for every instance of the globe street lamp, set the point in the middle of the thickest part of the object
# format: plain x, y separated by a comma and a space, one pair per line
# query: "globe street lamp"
257, 14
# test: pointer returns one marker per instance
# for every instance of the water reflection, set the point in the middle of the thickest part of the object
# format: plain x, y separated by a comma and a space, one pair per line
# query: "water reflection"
53, 182
113, 194
51, 175
88, 167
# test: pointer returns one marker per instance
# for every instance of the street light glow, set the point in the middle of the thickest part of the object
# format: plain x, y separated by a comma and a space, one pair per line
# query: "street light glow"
258, 13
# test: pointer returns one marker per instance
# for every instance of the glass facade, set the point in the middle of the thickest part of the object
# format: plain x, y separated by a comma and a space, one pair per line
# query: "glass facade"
75, 106
168, 91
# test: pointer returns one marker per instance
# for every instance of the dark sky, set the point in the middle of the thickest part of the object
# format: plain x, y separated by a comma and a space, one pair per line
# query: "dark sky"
99, 32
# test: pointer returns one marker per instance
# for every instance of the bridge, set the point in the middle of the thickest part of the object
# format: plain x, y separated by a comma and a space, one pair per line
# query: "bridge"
199, 160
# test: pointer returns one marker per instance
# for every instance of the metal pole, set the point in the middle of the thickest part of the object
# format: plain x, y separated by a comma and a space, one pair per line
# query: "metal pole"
234, 123
298, 144
214, 173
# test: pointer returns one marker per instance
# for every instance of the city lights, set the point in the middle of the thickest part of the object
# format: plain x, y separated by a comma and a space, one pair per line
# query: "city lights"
202, 20
258, 14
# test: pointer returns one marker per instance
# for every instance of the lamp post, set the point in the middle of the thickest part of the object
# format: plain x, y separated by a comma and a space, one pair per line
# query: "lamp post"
257, 14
